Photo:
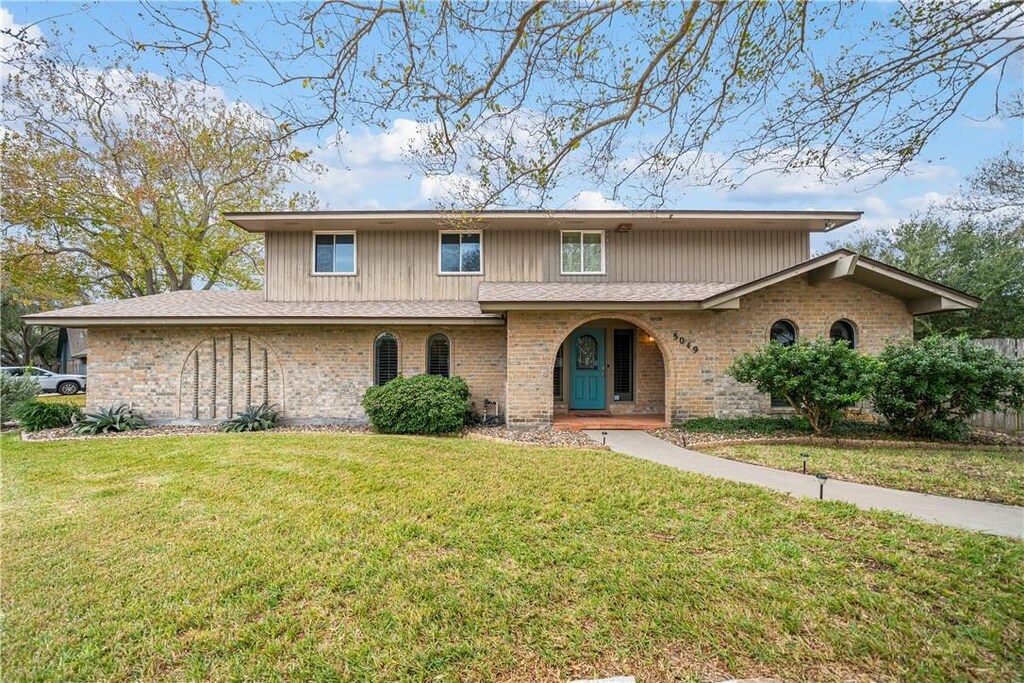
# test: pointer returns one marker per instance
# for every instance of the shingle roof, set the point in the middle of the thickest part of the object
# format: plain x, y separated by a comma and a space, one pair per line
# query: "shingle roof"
608, 292
211, 306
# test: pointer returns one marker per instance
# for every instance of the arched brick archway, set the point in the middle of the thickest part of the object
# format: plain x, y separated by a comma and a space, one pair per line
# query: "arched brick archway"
226, 372
533, 341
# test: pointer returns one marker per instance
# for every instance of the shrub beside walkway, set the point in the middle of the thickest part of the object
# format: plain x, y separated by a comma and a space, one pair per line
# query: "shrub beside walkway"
992, 518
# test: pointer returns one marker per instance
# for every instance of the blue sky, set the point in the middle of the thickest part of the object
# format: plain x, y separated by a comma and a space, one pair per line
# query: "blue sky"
369, 170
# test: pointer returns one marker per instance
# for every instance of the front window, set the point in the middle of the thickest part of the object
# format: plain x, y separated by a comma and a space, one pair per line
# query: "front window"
842, 330
439, 355
385, 358
782, 332
582, 252
334, 253
460, 253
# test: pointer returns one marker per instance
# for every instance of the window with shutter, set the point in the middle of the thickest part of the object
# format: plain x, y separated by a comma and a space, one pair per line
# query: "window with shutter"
556, 376
439, 355
622, 379
782, 332
385, 358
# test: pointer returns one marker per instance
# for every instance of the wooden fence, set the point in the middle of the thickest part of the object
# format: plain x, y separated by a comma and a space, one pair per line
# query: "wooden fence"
1007, 422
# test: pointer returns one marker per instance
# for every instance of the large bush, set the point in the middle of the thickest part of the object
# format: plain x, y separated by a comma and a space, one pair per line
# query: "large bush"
15, 390
819, 378
422, 404
932, 387
36, 416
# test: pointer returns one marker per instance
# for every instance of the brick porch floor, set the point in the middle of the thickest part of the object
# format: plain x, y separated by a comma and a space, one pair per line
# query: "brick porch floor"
578, 422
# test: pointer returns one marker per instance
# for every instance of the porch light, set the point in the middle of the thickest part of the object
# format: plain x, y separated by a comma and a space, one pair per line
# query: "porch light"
805, 456
822, 478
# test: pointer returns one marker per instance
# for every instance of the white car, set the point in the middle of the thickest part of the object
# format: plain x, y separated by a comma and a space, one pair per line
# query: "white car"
50, 381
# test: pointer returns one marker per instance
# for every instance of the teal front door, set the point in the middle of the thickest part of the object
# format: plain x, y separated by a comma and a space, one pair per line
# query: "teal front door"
586, 369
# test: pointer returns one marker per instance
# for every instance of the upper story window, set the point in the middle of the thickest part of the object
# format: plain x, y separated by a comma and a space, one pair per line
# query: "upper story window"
461, 253
334, 253
582, 252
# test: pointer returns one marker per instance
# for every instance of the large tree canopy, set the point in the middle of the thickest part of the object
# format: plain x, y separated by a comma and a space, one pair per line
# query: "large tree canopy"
976, 245
114, 182
634, 96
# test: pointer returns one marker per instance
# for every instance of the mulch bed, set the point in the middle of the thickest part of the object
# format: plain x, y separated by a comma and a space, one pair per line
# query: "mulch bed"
535, 437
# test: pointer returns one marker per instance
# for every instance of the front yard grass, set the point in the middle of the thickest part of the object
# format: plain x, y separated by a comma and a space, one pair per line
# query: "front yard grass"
314, 557
73, 400
992, 475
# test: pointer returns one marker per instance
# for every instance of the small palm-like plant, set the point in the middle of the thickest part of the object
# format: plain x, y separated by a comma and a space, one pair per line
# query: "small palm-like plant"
114, 419
252, 419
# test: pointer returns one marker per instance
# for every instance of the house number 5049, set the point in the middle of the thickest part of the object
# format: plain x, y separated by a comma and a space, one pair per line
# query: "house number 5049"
683, 341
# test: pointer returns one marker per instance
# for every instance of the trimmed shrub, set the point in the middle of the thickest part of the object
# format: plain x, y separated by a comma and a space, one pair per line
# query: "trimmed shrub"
15, 390
932, 387
114, 419
252, 419
818, 378
422, 404
36, 416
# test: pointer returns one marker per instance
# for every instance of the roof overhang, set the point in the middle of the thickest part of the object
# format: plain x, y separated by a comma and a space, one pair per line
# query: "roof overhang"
922, 296
165, 321
304, 221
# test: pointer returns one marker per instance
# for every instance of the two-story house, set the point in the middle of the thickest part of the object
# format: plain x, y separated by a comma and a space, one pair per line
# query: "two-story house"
545, 313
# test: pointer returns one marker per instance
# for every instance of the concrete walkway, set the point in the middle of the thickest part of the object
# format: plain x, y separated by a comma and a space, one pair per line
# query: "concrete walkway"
990, 518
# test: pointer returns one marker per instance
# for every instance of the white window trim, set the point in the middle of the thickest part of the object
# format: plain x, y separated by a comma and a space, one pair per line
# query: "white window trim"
459, 273
355, 253
561, 262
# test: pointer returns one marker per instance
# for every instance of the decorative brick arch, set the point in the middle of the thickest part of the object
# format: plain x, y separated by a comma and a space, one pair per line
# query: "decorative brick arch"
533, 341
645, 327
227, 372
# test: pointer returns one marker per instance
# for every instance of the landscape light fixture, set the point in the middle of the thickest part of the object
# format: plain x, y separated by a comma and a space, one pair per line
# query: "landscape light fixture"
604, 438
822, 478
805, 456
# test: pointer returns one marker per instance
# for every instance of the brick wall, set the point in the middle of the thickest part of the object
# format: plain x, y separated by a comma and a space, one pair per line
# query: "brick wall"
698, 346
321, 372
313, 373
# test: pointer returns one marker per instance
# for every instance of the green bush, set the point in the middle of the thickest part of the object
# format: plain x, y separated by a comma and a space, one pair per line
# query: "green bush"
736, 425
819, 378
252, 419
114, 419
422, 404
15, 390
36, 416
932, 387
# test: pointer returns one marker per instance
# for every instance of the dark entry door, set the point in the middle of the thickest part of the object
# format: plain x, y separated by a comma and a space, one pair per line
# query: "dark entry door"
586, 369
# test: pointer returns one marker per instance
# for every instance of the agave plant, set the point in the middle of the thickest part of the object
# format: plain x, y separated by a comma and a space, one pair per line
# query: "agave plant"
113, 419
252, 419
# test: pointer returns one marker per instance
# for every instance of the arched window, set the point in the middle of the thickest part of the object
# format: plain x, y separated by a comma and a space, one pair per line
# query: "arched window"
438, 355
783, 332
385, 358
843, 330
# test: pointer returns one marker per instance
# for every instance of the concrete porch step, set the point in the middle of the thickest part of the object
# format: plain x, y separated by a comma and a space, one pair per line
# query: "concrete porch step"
578, 422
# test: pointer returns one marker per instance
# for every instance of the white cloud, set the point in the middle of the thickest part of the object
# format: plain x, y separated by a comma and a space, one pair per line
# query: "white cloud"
591, 200
13, 33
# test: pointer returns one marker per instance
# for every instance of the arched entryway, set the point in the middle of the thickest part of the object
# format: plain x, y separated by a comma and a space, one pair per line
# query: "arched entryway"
609, 373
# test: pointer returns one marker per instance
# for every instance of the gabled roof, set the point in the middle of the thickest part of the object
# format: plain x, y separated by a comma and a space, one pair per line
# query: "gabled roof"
922, 295
252, 308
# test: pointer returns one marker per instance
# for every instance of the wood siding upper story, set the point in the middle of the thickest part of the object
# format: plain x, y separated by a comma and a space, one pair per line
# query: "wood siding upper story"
403, 265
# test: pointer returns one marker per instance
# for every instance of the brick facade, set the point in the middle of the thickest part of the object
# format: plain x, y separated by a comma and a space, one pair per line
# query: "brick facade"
320, 372
697, 346
311, 373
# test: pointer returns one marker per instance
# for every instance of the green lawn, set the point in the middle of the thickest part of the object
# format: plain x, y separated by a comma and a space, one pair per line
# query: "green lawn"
993, 475
74, 399
314, 557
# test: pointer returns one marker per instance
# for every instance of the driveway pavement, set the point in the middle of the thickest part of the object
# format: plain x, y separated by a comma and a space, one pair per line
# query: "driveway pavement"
990, 518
